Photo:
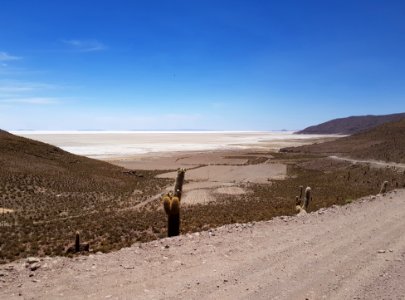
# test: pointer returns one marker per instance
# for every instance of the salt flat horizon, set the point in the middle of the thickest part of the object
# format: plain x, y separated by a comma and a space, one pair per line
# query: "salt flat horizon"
114, 144
28, 132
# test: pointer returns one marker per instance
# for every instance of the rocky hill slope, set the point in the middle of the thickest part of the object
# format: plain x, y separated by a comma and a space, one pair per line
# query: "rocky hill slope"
385, 142
47, 194
351, 125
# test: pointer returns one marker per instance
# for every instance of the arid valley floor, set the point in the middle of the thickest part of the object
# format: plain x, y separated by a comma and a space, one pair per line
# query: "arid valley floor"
240, 235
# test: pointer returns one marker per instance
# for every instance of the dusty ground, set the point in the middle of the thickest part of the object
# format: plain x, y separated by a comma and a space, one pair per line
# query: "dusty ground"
355, 251
210, 174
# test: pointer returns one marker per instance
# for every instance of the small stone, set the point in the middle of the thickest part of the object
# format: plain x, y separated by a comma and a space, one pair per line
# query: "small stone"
35, 266
167, 246
381, 251
32, 260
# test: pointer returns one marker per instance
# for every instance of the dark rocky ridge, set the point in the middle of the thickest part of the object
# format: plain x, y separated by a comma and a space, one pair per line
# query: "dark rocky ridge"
351, 125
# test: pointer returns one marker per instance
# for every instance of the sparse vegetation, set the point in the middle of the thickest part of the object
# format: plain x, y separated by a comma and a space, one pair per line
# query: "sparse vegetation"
51, 194
385, 143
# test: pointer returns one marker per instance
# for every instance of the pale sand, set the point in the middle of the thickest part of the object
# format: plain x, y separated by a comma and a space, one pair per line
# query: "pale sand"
261, 173
175, 160
213, 173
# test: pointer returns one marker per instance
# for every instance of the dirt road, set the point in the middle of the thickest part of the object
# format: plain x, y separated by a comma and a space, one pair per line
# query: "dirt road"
373, 163
352, 252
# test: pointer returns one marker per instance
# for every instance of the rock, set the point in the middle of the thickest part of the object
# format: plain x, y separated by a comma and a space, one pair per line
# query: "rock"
34, 266
381, 251
64, 214
31, 260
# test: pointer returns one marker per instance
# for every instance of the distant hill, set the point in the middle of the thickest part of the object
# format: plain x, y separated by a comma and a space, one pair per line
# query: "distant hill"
351, 125
385, 142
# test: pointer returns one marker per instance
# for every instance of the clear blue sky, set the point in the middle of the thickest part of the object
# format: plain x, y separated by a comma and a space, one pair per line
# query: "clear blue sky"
226, 65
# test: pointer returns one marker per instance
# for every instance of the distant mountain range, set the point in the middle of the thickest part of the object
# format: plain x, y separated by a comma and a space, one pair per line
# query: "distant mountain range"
351, 125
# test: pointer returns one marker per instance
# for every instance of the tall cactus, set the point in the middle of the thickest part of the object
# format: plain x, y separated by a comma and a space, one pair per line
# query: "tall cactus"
171, 205
307, 199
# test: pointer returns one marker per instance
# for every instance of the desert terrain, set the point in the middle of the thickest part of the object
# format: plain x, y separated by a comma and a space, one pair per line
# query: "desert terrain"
356, 251
240, 237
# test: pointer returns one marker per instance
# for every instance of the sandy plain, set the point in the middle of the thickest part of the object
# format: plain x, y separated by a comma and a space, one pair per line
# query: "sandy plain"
211, 173
216, 162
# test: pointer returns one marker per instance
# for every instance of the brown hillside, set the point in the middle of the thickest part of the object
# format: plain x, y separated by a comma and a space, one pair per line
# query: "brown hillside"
385, 142
50, 193
351, 125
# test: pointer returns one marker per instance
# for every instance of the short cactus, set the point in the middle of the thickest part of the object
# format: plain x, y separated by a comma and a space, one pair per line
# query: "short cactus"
301, 205
297, 204
171, 205
383, 189
77, 246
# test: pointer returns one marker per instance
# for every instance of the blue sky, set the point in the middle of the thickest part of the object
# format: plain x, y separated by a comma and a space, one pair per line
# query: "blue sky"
220, 65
